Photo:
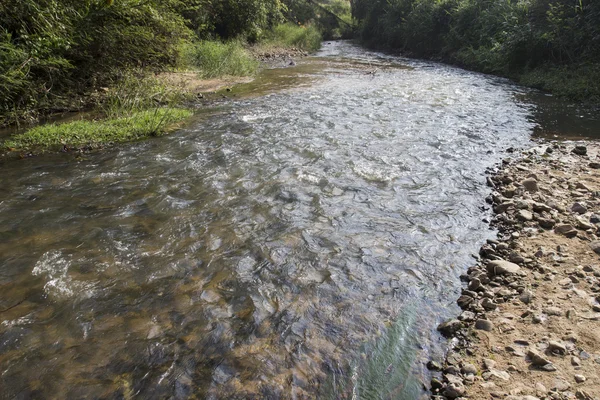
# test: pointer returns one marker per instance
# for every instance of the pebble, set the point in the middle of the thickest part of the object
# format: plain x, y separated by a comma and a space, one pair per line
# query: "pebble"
579, 378
575, 361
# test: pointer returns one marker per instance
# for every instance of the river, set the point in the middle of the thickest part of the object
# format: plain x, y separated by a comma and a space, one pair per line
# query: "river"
300, 239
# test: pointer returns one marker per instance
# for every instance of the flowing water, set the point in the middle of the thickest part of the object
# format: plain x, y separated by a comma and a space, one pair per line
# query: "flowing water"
300, 240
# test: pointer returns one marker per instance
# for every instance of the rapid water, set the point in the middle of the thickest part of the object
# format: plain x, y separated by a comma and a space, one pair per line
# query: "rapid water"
301, 240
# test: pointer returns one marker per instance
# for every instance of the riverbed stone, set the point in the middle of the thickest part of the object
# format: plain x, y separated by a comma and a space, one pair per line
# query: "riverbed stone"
484, 325
524, 215
454, 390
579, 208
556, 347
502, 267
449, 328
530, 185
567, 230
538, 359
595, 246
580, 150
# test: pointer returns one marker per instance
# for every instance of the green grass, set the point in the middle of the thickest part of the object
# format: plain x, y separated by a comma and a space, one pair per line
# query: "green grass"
85, 134
307, 38
215, 59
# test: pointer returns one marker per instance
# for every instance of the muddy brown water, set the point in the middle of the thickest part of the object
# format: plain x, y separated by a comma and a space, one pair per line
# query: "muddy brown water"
301, 239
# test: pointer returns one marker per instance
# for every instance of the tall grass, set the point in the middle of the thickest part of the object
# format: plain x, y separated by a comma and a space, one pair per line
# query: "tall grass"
215, 59
307, 38
135, 92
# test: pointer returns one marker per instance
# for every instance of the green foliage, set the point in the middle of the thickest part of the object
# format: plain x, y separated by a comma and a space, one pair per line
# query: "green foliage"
80, 134
215, 59
333, 18
55, 52
289, 35
507, 37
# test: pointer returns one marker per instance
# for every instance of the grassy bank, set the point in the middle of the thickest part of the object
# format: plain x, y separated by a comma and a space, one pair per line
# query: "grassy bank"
94, 134
137, 103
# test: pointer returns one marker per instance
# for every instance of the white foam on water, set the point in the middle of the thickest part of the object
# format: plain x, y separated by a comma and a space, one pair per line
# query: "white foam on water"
55, 266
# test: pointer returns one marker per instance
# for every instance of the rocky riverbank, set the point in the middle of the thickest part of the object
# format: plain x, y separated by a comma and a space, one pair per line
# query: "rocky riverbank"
530, 326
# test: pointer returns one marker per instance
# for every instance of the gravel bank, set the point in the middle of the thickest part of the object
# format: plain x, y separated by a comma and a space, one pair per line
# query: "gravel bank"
530, 326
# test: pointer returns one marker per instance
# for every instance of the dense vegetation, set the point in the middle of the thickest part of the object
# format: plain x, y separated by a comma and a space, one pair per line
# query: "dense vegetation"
60, 54
552, 44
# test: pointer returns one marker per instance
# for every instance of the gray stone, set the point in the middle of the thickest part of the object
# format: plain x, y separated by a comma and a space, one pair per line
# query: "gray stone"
449, 328
526, 296
484, 325
489, 364
496, 374
434, 366
595, 246
579, 208
580, 150
561, 385
546, 223
530, 185
557, 347
435, 384
469, 369
566, 230
555, 311
501, 267
524, 215
575, 361
454, 390
537, 359
579, 378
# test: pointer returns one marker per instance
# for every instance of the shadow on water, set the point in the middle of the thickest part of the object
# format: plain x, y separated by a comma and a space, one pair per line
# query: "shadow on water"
303, 239
557, 119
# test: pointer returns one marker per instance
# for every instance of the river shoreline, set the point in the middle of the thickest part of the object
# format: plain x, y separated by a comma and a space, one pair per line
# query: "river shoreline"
531, 304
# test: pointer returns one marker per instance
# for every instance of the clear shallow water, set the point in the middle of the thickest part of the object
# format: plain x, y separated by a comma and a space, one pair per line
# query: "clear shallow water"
302, 242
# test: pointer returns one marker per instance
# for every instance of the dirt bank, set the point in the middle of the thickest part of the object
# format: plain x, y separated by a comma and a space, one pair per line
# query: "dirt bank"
530, 326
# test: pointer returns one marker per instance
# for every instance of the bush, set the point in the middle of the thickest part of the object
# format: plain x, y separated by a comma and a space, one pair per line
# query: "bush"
214, 59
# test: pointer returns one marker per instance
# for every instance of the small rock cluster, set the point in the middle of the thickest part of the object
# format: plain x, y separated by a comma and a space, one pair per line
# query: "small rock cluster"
530, 326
